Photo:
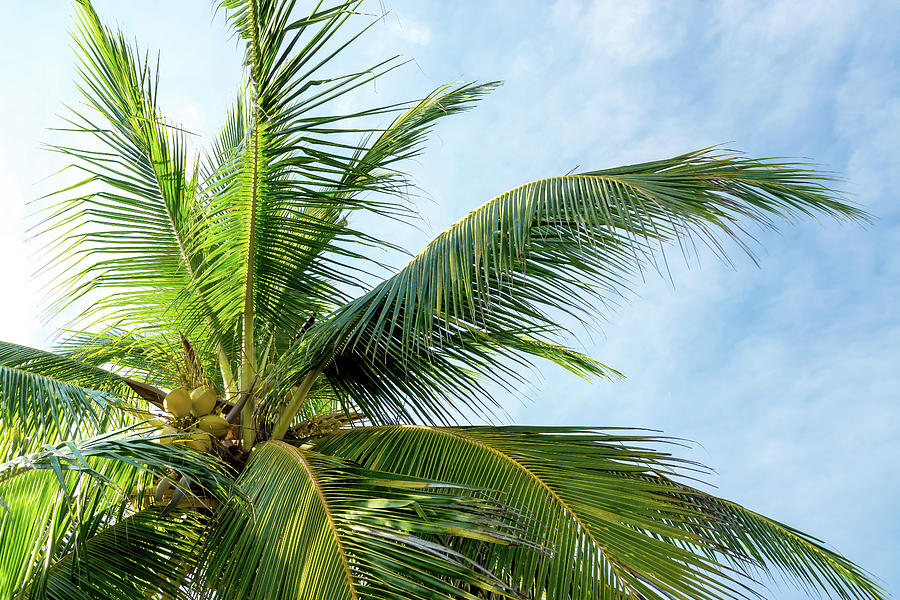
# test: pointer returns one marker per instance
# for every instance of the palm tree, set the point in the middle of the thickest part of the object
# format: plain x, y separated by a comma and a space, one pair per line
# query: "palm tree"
240, 412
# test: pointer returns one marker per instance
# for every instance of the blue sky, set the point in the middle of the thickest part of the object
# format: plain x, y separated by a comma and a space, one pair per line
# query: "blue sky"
786, 376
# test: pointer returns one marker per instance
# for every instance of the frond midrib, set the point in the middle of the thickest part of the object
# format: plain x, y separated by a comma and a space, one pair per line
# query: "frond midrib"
248, 352
457, 434
298, 456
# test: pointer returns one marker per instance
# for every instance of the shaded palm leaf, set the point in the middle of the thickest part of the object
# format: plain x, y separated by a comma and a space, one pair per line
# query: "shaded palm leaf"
50, 513
61, 367
29, 524
145, 553
799, 556
129, 353
57, 499
127, 447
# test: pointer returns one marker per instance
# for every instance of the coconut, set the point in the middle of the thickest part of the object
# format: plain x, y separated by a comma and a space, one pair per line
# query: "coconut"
199, 441
215, 425
178, 402
156, 424
203, 400
168, 435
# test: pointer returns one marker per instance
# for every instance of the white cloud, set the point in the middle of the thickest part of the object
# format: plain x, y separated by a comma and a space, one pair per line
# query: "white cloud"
868, 116
624, 33
409, 30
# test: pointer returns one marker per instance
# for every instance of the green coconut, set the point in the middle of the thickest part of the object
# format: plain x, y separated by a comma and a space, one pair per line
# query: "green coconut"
178, 402
203, 400
214, 425
169, 433
198, 440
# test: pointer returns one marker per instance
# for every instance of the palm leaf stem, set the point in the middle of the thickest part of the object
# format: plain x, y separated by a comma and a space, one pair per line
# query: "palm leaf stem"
298, 399
317, 486
248, 362
225, 367
619, 574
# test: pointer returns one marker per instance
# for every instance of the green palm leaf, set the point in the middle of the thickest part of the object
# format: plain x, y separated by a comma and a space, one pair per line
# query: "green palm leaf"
45, 397
618, 524
128, 448
325, 242
290, 178
324, 528
132, 356
798, 555
147, 552
57, 499
61, 367
138, 240
279, 184
568, 244
28, 525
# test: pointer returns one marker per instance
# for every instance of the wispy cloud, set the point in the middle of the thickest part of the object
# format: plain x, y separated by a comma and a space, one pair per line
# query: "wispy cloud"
408, 30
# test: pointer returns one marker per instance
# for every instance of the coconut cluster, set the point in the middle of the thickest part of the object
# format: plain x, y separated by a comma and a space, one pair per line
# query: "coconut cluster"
192, 412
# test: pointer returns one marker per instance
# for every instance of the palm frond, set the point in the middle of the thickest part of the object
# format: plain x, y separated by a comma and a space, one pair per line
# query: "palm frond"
47, 514
128, 447
274, 178
61, 367
611, 511
45, 398
133, 243
30, 523
322, 246
799, 557
346, 532
294, 172
133, 357
374, 168
54, 501
566, 245
148, 552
